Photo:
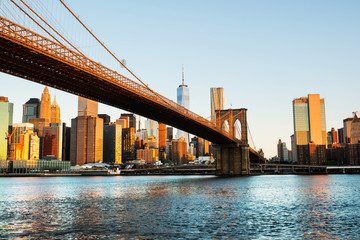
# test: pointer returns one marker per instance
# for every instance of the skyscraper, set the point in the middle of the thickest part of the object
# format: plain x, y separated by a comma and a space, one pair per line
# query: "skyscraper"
87, 107
6, 120
183, 100
152, 128
113, 143
31, 109
45, 105
132, 119
283, 152
309, 121
347, 130
86, 134
162, 136
355, 128
55, 112
169, 134
53, 141
217, 100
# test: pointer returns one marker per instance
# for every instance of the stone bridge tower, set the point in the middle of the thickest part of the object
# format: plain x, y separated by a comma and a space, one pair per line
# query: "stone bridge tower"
233, 159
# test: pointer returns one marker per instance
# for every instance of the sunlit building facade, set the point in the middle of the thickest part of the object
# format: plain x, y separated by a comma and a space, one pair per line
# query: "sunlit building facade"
6, 120
55, 112
45, 105
113, 143
162, 135
355, 128
53, 141
309, 121
178, 151
86, 134
24, 143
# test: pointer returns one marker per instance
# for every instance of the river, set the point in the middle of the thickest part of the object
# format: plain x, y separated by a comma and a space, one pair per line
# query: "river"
181, 207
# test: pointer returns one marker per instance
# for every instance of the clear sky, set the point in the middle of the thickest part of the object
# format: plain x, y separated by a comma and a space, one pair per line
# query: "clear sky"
264, 54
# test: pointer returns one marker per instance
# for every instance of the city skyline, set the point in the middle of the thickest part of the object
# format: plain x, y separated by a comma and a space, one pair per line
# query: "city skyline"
315, 61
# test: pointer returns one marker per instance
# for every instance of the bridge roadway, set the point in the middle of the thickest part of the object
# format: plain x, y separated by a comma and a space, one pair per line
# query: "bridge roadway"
27, 55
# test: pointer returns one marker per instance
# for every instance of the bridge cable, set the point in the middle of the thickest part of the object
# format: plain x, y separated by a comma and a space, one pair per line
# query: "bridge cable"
36, 22
52, 28
146, 86
252, 140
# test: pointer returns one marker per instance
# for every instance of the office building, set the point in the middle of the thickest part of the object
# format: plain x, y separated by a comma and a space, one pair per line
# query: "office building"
162, 136
106, 118
347, 129
128, 144
141, 134
24, 143
50, 145
86, 134
283, 152
334, 136
123, 122
131, 119
183, 99
45, 105
355, 128
31, 109
152, 128
39, 125
169, 133
152, 142
178, 151
53, 141
112, 143
341, 135
149, 155
87, 107
6, 120
217, 100
309, 123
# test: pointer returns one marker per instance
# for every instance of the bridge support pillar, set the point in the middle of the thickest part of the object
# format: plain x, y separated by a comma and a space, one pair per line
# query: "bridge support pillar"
232, 159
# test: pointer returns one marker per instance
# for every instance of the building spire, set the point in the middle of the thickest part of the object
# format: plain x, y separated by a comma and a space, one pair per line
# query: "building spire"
54, 104
46, 90
183, 74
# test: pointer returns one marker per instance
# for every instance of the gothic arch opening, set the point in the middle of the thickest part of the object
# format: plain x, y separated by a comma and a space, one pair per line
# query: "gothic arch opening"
237, 129
225, 126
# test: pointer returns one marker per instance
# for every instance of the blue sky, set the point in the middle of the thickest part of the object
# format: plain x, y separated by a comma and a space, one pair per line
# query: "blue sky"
264, 54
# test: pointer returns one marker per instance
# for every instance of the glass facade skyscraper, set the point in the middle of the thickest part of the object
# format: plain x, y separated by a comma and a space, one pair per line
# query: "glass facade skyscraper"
309, 121
6, 120
31, 109
183, 100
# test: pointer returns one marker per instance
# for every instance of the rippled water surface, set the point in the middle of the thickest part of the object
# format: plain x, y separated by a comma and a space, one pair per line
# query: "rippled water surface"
181, 207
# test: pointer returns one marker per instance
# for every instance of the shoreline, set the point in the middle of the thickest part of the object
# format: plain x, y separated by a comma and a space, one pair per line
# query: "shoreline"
162, 174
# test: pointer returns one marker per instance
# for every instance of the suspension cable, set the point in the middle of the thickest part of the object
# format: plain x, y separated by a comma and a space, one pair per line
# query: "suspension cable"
103, 45
36, 22
51, 27
252, 140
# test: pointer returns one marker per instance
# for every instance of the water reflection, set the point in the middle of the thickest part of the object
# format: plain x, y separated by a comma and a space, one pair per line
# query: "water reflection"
192, 207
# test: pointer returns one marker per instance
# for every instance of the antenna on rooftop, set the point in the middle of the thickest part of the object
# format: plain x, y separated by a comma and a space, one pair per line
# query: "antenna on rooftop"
183, 74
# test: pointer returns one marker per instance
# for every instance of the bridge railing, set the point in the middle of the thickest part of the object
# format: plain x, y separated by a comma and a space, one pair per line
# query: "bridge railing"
30, 39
